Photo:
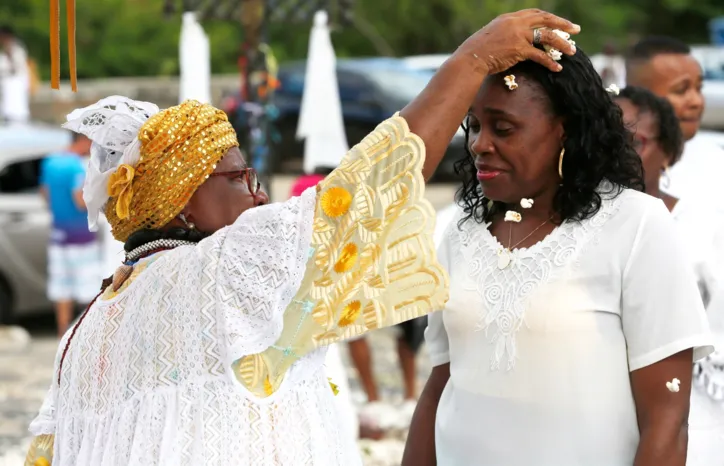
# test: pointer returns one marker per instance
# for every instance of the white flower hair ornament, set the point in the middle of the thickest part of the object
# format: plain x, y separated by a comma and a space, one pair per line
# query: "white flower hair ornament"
613, 89
510, 82
513, 216
555, 53
673, 386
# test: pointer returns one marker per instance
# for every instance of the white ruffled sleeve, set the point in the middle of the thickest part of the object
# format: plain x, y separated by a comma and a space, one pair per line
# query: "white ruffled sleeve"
351, 255
263, 258
662, 311
436, 338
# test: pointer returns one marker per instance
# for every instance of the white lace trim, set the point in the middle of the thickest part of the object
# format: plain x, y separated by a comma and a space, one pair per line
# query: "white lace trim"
113, 125
506, 292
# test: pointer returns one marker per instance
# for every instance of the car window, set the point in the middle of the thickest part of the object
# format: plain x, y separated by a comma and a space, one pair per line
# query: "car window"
404, 84
352, 86
21, 177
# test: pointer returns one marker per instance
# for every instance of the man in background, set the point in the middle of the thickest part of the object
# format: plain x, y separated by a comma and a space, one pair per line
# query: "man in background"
14, 78
73, 252
665, 66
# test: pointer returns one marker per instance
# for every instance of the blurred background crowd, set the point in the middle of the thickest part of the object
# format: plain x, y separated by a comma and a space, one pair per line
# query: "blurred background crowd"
250, 58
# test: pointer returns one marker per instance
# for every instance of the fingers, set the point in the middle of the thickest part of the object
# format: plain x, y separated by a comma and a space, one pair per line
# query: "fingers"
543, 19
542, 58
550, 38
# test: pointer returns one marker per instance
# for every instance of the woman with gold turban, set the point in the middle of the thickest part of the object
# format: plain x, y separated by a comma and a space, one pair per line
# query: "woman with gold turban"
207, 345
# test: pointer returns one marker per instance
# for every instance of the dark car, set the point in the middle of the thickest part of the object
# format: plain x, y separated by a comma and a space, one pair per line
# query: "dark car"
371, 90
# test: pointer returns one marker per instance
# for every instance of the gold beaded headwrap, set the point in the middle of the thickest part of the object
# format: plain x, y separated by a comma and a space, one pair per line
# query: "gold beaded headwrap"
180, 147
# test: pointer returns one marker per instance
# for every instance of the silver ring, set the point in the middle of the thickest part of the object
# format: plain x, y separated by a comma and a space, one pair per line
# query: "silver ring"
536, 36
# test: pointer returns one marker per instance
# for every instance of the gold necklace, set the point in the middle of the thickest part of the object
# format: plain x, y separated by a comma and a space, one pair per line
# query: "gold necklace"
504, 257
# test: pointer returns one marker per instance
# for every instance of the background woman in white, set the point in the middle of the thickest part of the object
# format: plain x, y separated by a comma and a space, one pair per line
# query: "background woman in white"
659, 141
563, 328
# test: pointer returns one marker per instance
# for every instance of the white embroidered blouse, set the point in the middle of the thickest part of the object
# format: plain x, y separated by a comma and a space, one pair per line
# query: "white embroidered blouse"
213, 354
540, 352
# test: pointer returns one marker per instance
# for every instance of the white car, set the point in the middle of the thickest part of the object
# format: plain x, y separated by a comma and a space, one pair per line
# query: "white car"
24, 217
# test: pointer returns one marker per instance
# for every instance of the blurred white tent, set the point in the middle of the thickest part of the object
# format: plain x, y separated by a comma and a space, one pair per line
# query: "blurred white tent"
195, 61
14, 84
320, 119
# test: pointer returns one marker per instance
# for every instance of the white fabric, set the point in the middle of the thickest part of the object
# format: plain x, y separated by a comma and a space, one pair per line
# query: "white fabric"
194, 61
15, 85
74, 272
698, 172
701, 223
337, 372
112, 124
541, 351
444, 217
320, 119
147, 378
112, 252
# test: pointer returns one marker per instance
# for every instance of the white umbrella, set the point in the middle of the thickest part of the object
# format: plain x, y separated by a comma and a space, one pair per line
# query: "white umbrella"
320, 119
195, 61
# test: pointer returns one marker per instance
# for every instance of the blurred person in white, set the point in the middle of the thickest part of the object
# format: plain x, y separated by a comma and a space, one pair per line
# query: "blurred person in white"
73, 252
572, 302
665, 66
15, 78
207, 346
659, 142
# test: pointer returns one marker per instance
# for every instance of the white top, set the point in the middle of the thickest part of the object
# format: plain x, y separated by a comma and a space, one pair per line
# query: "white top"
698, 172
540, 352
213, 354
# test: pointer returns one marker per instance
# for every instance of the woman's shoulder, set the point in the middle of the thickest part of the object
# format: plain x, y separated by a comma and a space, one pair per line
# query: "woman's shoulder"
634, 203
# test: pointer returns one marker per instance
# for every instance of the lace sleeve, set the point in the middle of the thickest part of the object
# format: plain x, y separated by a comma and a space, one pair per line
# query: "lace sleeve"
372, 260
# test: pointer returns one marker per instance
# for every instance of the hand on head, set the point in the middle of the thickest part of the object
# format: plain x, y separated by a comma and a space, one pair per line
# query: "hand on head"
509, 39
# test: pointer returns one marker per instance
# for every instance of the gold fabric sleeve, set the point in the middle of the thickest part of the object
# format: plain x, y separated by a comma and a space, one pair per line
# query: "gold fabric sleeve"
372, 261
41, 451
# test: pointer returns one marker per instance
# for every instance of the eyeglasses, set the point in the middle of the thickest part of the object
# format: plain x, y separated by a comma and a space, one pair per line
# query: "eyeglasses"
252, 179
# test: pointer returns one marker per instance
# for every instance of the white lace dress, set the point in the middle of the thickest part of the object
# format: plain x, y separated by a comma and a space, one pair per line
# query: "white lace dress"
540, 352
213, 354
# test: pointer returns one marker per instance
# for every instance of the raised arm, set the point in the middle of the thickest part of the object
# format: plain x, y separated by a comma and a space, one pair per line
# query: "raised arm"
437, 112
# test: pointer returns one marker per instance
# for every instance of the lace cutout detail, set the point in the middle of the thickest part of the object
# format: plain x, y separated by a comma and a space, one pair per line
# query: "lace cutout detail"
506, 292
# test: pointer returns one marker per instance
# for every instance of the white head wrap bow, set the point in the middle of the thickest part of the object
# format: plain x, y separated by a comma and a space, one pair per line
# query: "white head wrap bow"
113, 125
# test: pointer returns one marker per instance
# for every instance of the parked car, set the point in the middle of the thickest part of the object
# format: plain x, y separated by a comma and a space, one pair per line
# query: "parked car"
371, 90
24, 218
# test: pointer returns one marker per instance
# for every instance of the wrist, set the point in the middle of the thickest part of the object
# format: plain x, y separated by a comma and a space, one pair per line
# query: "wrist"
471, 60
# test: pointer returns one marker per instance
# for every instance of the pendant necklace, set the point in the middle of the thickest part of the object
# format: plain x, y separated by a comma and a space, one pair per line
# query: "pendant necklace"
504, 254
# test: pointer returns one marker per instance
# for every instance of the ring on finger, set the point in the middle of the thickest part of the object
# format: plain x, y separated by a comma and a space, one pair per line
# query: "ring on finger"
537, 35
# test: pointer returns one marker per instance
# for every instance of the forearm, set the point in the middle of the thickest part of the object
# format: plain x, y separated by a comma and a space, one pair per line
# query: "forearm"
420, 446
662, 446
436, 114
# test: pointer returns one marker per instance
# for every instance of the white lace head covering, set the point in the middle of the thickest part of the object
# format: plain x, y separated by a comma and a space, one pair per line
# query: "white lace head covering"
113, 124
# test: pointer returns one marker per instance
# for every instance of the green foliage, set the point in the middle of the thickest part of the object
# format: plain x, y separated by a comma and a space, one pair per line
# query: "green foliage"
132, 37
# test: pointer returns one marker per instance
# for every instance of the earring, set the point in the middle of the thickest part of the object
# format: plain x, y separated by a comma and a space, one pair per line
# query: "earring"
666, 176
560, 162
188, 224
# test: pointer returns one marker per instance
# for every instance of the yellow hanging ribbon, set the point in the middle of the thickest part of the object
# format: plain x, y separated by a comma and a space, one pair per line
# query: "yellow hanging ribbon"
120, 187
55, 43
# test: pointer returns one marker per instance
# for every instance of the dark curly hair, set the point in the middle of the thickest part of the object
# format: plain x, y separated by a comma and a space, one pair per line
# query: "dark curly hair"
598, 146
669, 133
